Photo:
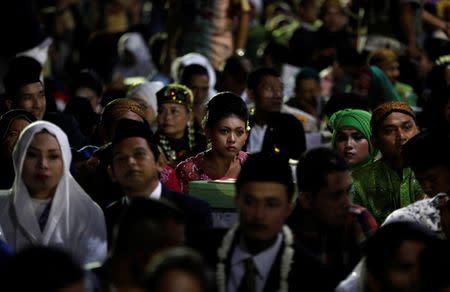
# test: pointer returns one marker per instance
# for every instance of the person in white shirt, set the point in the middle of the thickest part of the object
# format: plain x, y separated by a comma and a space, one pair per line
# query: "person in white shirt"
272, 131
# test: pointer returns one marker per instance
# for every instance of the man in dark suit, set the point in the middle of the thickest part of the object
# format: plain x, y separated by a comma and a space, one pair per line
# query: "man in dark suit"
259, 254
135, 167
272, 131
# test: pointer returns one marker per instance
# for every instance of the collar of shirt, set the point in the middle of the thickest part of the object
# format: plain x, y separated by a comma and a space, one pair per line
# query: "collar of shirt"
263, 260
255, 141
156, 194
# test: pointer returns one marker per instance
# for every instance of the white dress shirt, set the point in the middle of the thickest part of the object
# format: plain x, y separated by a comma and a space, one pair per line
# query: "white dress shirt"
255, 141
156, 194
262, 261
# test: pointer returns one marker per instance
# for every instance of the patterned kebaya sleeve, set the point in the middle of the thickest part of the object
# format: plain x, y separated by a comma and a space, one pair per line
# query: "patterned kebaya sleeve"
182, 172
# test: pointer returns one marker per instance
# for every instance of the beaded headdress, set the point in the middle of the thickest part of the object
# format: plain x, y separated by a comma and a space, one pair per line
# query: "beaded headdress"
117, 108
175, 93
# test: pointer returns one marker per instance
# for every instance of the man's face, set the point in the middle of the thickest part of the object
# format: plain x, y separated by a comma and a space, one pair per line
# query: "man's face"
199, 84
307, 90
134, 166
263, 208
330, 205
434, 180
268, 95
393, 132
31, 97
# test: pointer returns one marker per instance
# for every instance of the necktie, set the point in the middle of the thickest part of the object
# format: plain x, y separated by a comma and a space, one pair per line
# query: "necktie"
44, 216
248, 283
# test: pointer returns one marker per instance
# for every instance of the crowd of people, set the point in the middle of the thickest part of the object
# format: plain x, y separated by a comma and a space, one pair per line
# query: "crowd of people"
330, 118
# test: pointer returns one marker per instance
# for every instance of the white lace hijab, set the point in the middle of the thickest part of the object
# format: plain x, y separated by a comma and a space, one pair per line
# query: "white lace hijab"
58, 216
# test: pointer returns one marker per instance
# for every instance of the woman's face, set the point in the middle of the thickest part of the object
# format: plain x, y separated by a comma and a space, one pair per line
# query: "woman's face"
16, 127
173, 119
43, 166
228, 136
352, 145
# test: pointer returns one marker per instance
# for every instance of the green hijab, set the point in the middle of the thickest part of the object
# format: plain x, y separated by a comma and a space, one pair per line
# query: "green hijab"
357, 119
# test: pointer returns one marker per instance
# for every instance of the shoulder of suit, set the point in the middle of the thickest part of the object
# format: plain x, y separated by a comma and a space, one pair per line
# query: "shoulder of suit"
114, 205
282, 117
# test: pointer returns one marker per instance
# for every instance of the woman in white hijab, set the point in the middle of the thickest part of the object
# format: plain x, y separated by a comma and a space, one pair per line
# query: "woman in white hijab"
145, 95
134, 57
45, 205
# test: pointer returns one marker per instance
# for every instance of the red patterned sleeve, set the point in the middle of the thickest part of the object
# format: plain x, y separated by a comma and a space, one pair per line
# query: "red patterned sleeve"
169, 178
183, 174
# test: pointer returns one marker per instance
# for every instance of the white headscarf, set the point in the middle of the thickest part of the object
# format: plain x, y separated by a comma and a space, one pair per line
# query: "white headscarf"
148, 90
39, 52
75, 222
190, 59
134, 42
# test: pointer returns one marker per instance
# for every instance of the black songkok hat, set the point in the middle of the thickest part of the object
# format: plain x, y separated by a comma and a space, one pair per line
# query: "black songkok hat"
427, 150
22, 71
127, 128
267, 167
